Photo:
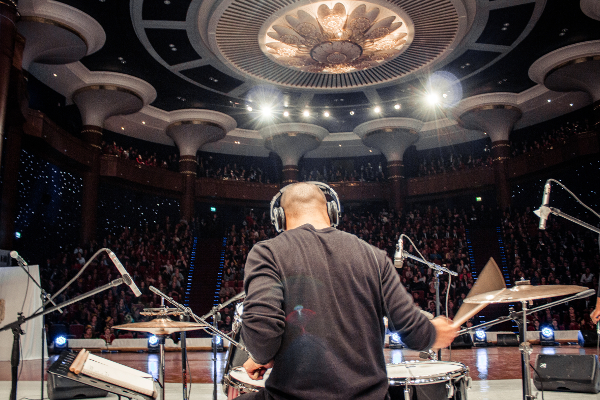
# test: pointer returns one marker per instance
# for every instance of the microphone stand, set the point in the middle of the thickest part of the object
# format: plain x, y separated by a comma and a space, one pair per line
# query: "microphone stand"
188, 311
545, 210
45, 300
15, 326
438, 270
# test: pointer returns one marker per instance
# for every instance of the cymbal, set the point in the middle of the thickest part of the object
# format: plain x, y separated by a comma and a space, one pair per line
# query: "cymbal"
523, 291
161, 326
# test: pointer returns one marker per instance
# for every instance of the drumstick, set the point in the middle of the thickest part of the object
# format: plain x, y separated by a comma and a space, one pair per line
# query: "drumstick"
467, 315
77, 364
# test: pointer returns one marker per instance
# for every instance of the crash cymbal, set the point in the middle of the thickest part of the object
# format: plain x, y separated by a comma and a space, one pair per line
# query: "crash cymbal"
161, 326
523, 291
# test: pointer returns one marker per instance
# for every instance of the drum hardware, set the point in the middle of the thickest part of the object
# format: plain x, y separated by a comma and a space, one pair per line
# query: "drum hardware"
524, 292
161, 327
401, 254
429, 379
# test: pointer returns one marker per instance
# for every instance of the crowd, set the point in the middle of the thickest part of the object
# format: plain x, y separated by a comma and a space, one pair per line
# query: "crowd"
560, 255
209, 168
135, 155
546, 140
432, 165
153, 255
339, 173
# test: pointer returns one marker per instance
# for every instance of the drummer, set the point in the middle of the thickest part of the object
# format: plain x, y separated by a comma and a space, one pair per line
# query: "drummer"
316, 298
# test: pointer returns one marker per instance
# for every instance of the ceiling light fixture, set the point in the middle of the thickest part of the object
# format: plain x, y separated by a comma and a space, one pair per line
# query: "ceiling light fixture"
249, 108
397, 106
286, 114
377, 109
336, 41
306, 113
326, 114
351, 112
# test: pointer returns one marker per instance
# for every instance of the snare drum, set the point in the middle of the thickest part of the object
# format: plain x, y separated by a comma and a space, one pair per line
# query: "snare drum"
418, 380
238, 382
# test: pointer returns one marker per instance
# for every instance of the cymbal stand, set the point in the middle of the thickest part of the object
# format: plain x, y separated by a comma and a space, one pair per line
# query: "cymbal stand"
525, 349
161, 366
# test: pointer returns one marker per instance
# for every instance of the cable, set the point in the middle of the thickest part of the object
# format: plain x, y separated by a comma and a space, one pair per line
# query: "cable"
541, 383
573, 194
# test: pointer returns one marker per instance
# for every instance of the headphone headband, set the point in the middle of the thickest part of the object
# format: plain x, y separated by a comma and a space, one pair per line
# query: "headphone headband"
333, 206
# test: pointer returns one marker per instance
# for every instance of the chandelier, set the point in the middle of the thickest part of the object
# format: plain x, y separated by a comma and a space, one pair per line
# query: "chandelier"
336, 42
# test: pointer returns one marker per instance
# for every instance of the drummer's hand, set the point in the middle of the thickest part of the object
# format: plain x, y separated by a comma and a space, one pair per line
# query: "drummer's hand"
595, 316
445, 332
256, 371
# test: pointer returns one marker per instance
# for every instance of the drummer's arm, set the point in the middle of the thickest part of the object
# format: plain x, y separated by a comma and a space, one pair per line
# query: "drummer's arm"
263, 321
596, 313
255, 370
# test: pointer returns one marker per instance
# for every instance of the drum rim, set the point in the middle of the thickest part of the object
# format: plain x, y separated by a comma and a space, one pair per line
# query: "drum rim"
236, 383
462, 371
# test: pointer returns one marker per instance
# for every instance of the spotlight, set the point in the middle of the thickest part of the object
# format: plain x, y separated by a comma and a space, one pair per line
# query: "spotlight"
17, 235
397, 106
547, 336
249, 108
351, 112
153, 342
306, 113
326, 114
286, 114
217, 342
396, 341
60, 343
377, 109
266, 111
480, 338
432, 98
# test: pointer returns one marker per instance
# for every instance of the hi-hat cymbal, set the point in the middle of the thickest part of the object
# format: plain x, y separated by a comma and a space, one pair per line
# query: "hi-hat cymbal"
524, 292
161, 326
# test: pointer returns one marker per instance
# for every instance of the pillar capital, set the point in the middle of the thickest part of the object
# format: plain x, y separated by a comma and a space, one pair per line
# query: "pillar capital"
292, 140
192, 129
494, 113
570, 68
391, 136
58, 34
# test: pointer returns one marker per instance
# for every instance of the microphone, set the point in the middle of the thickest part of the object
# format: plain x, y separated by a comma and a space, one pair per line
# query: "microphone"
126, 277
543, 211
17, 257
399, 256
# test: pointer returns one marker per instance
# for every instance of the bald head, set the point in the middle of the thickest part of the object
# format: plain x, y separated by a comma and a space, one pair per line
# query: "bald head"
304, 203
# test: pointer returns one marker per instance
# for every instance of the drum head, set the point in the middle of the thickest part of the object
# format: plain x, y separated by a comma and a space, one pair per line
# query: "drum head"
240, 379
424, 372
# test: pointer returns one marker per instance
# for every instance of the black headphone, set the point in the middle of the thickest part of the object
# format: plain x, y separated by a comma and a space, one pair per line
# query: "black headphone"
333, 206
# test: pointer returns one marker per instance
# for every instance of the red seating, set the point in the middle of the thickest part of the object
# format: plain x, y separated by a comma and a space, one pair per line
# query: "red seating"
76, 330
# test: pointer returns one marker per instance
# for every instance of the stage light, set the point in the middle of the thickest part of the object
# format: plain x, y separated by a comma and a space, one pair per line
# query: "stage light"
396, 341
480, 338
249, 108
153, 342
218, 342
286, 114
397, 106
17, 235
266, 111
547, 336
306, 113
377, 109
326, 114
60, 342
432, 98
351, 112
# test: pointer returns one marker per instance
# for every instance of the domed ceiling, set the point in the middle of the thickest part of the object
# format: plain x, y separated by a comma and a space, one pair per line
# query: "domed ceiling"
344, 57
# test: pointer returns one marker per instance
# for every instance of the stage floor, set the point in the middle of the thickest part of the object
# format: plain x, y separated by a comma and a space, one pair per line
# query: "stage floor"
496, 372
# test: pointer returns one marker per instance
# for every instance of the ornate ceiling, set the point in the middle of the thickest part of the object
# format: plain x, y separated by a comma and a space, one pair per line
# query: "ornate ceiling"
231, 56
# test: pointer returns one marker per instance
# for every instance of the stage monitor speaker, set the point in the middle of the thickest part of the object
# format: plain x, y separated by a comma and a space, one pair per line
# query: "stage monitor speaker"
60, 388
507, 340
587, 338
573, 373
463, 341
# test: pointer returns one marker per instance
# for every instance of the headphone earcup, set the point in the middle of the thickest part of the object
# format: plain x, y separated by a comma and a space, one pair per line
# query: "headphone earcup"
333, 213
279, 219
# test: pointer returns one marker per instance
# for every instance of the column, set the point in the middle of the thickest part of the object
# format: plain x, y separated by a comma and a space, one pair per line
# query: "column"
97, 103
190, 133
290, 142
497, 121
392, 136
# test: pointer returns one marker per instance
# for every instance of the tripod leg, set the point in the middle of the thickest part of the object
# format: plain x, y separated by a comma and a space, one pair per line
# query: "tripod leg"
14, 362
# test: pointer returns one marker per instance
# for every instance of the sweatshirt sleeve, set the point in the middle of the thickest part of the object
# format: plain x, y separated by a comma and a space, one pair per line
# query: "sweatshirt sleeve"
415, 329
263, 320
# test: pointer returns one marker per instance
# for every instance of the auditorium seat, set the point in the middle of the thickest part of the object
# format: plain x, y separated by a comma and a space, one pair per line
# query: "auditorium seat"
76, 330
